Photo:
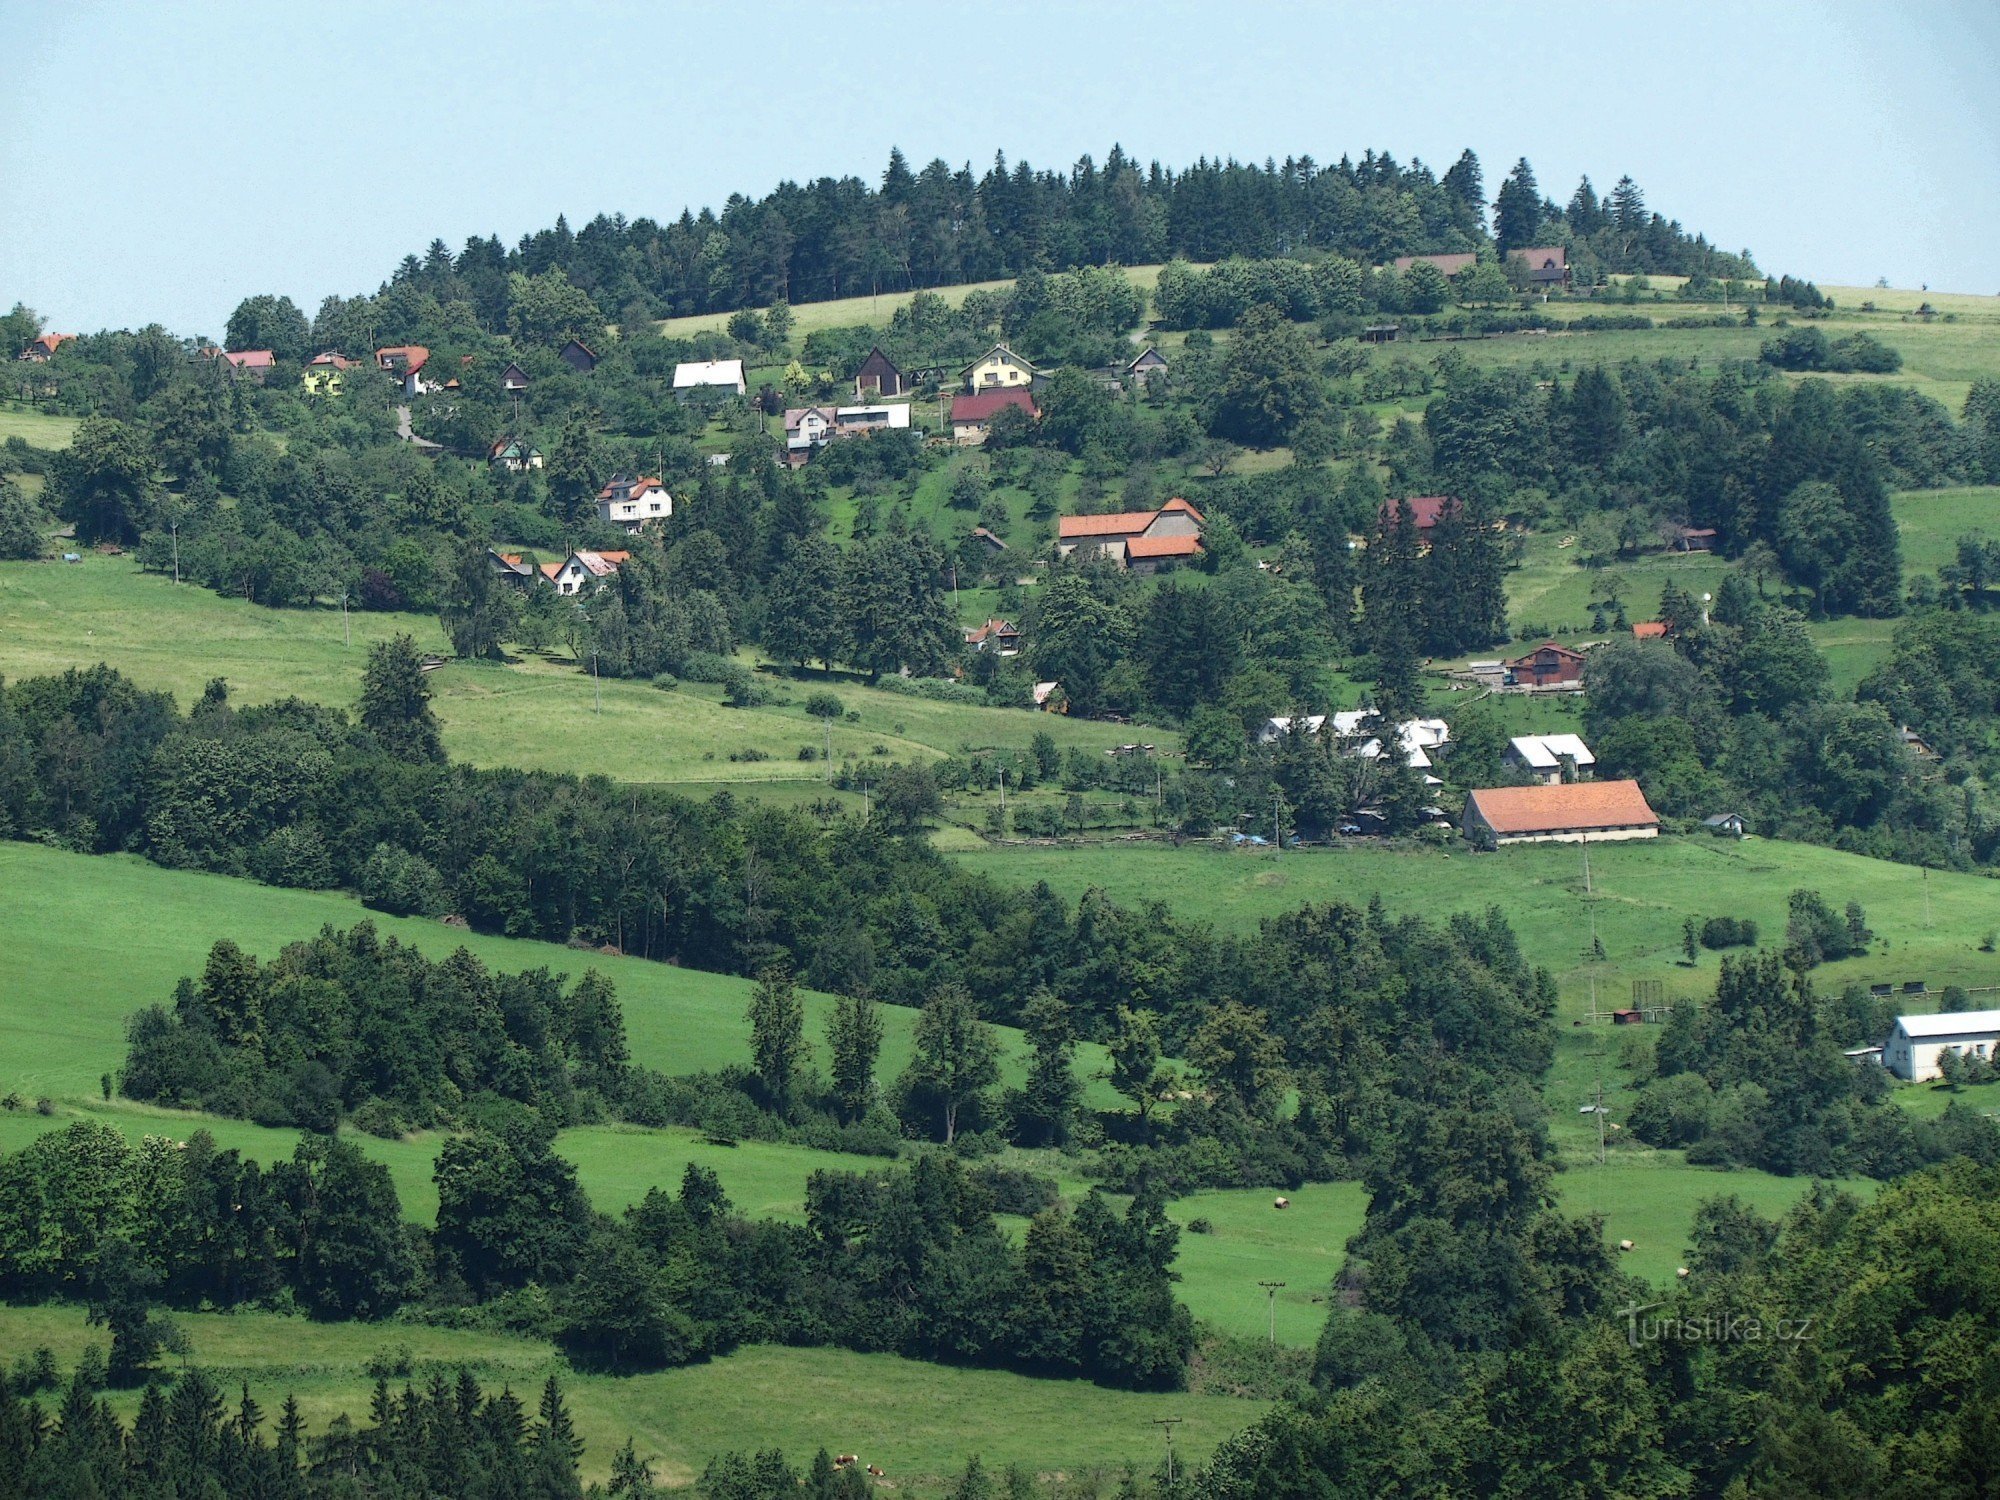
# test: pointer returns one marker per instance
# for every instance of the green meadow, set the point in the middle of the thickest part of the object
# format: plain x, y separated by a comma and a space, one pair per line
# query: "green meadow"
920, 1422
37, 428
99, 937
540, 713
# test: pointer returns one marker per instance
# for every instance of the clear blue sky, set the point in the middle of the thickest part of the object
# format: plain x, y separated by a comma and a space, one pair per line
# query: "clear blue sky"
161, 161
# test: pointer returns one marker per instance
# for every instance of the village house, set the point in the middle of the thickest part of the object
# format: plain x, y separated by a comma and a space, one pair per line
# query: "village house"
1450, 264
1650, 630
1379, 333
586, 570
252, 364
1548, 265
324, 372
514, 456
1598, 811
1173, 532
405, 362
1003, 636
41, 350
1547, 666
1917, 1043
1550, 758
999, 368
1133, 374
633, 503
1358, 730
578, 356
972, 416
710, 374
515, 568
878, 376
1425, 511
513, 379
806, 427
1695, 539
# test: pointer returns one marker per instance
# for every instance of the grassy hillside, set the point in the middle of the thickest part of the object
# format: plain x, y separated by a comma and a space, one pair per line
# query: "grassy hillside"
96, 938
538, 713
1643, 892
35, 427
920, 1422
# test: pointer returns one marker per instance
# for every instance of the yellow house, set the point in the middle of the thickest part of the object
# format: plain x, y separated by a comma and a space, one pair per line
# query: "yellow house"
322, 375
999, 369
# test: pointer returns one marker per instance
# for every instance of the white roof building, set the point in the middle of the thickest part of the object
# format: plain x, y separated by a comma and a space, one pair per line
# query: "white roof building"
727, 373
1544, 754
1418, 737
1917, 1042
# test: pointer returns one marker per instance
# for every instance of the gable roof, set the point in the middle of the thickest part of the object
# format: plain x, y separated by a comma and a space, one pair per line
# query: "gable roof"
1650, 630
513, 372
410, 357
983, 406
589, 353
1541, 255
1949, 1023
989, 538
1528, 660
48, 343
795, 415
1121, 523
878, 360
597, 564
1162, 546
328, 360
1545, 752
1003, 350
1582, 805
250, 359
1185, 507
697, 372
1150, 357
1425, 510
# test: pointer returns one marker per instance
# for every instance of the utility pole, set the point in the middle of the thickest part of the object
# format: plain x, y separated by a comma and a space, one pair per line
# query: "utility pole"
1271, 1289
346, 631
1277, 835
1003, 799
827, 724
1167, 1425
596, 688
174, 525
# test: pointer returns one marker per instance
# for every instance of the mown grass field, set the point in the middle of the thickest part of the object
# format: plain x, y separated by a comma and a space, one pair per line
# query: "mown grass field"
846, 312
41, 429
96, 938
920, 1422
539, 713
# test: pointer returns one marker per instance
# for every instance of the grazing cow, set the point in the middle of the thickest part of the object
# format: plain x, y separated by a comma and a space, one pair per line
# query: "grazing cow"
1281, 1203
846, 1460
1681, 1272
874, 1472
1624, 1244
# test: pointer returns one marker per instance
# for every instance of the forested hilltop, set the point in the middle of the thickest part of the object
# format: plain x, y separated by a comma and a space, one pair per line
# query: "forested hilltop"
839, 237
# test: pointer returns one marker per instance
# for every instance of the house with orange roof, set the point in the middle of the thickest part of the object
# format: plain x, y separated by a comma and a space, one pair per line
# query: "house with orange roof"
1575, 813
254, 363
41, 350
633, 503
1142, 540
405, 362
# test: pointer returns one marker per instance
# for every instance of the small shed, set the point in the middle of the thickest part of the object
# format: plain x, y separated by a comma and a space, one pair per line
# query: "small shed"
1380, 333
878, 374
513, 379
1726, 825
578, 356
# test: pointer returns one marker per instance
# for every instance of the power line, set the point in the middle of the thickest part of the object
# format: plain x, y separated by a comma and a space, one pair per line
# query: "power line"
1167, 1425
1271, 1290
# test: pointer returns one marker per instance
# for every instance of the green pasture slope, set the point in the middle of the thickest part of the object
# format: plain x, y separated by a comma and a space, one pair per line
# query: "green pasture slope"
920, 1422
96, 938
537, 713
37, 428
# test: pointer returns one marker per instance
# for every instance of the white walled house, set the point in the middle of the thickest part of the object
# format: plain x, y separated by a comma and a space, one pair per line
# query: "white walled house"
697, 373
1542, 755
633, 503
1917, 1042
582, 571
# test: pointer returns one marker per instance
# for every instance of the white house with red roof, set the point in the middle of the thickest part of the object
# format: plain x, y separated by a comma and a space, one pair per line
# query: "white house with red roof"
41, 350
633, 503
255, 363
972, 416
405, 362
1141, 540
583, 570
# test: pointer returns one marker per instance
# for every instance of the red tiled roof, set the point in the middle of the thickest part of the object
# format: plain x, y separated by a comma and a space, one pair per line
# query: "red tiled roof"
250, 359
983, 406
615, 557
1558, 809
48, 343
413, 357
1163, 546
1528, 660
1540, 253
1425, 509
1124, 523
331, 361
1177, 503
1650, 630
